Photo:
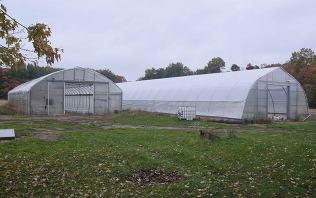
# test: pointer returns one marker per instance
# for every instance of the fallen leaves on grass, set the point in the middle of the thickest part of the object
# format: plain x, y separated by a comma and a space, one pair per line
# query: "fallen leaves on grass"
152, 176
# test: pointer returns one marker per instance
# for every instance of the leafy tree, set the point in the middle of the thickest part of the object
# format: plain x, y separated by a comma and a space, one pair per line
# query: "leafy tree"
7, 82
119, 79
160, 73
10, 78
177, 69
235, 67
216, 65
173, 70
201, 71
250, 66
14, 35
110, 75
304, 58
32, 71
1, 82
107, 73
153, 73
264, 65
302, 66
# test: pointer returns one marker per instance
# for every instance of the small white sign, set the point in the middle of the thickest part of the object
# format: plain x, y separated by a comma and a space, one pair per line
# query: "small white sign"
7, 134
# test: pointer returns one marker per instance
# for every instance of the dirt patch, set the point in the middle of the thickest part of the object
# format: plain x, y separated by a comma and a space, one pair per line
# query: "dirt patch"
312, 111
3, 102
48, 136
152, 176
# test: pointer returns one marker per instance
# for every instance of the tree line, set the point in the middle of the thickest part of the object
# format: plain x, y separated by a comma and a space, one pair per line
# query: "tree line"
302, 66
10, 78
111, 75
216, 65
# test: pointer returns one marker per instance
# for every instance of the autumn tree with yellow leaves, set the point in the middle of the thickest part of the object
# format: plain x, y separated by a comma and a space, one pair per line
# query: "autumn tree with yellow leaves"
14, 37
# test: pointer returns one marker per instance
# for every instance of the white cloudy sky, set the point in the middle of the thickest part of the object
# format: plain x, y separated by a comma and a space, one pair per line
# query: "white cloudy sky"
128, 36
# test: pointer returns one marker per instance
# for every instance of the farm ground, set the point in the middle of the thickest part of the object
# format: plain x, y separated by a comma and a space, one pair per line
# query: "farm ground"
141, 155
3, 102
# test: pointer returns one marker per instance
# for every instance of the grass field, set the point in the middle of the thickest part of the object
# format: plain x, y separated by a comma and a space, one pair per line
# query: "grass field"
143, 155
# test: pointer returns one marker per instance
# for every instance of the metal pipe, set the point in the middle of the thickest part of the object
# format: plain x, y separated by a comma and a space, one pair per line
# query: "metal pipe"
64, 98
288, 103
309, 115
108, 102
47, 98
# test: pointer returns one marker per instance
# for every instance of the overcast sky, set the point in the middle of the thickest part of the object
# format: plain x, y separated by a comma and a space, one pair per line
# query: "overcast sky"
129, 36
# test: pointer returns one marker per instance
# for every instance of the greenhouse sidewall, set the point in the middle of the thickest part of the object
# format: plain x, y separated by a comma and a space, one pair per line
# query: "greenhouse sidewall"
218, 109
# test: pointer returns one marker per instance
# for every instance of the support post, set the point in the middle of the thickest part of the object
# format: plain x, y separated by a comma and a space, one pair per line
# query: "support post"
47, 98
288, 103
267, 99
64, 98
108, 99
93, 98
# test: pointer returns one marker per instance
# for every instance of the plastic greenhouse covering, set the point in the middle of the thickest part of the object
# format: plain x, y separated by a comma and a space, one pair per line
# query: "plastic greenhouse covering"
76, 90
250, 94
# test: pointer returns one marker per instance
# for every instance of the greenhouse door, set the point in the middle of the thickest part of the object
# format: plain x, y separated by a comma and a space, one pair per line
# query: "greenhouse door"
278, 100
101, 98
79, 98
53, 98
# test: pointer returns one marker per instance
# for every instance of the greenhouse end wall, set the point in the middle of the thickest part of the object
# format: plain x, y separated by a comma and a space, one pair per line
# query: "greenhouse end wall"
75, 90
276, 94
20, 101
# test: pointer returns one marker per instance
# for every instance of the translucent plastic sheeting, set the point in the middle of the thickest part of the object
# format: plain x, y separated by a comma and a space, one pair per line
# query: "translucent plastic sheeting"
229, 86
72, 90
222, 95
79, 97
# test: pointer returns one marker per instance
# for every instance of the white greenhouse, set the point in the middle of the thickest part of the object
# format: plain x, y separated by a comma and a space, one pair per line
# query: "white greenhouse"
249, 94
76, 90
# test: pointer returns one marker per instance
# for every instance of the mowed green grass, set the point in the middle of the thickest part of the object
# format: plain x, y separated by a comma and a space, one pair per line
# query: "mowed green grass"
309, 125
150, 119
88, 160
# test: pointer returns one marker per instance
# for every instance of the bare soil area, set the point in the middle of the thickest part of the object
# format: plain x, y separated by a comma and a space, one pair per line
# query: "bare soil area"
48, 136
152, 176
312, 111
3, 102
